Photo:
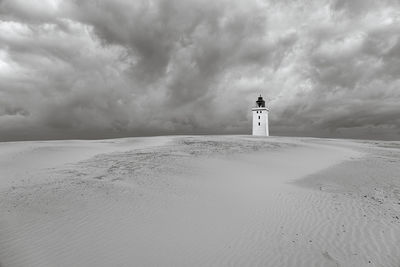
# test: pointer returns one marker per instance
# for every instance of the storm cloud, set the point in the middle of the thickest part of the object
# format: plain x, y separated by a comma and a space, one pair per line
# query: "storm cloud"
98, 68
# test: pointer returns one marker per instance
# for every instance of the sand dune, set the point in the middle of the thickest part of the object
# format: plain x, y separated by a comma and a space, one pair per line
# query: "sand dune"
200, 201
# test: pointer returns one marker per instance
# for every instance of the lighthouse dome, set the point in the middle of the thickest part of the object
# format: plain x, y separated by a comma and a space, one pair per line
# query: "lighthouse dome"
260, 102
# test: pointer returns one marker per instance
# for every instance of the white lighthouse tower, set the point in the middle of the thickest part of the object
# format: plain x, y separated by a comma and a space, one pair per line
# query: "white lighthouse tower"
260, 118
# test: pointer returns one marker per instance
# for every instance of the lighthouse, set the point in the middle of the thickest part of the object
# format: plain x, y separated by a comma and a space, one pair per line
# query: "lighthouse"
260, 118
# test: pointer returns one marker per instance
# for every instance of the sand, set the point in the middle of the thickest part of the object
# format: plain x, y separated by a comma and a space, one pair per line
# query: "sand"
200, 201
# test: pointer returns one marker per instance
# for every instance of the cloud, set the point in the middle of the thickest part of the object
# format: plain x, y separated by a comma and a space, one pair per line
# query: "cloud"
94, 69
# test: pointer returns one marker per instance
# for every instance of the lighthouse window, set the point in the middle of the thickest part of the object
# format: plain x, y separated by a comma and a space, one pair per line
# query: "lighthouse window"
260, 111
257, 111
259, 124
258, 117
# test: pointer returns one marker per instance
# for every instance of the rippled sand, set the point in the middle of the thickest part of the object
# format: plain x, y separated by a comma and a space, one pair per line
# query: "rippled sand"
200, 201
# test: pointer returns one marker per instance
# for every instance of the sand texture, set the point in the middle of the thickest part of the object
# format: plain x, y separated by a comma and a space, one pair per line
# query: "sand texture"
200, 201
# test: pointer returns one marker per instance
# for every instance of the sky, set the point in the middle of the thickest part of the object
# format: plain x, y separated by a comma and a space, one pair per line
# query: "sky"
89, 69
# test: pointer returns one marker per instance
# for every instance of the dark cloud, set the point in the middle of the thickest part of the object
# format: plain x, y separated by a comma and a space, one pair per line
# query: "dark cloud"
97, 68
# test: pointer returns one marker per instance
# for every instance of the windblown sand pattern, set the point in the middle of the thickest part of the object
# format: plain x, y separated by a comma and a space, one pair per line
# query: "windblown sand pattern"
200, 201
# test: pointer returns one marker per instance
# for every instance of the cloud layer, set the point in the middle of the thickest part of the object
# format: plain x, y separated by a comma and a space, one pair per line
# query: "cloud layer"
98, 68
